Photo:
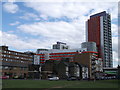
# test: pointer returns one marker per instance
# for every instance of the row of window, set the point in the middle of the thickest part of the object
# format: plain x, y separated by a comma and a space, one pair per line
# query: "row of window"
15, 53
12, 68
59, 57
16, 57
108, 49
11, 60
61, 54
106, 39
65, 52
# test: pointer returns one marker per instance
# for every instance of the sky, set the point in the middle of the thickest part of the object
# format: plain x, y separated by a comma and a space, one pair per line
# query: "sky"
27, 26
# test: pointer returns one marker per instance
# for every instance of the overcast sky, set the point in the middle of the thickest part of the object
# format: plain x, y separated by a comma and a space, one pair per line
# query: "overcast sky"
33, 25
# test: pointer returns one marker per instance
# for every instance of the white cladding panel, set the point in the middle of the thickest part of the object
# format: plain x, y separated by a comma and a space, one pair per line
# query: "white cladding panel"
65, 50
46, 56
36, 59
102, 36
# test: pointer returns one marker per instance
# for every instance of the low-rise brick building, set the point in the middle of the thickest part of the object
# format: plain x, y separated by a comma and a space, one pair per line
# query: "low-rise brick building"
13, 63
63, 69
90, 59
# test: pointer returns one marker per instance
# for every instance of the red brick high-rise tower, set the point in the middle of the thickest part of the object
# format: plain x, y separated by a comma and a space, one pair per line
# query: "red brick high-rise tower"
98, 29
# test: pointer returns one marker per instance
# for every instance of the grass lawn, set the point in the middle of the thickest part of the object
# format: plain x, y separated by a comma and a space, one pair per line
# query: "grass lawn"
59, 84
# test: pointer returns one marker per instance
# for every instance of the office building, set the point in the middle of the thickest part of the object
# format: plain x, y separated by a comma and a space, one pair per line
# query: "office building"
56, 54
98, 29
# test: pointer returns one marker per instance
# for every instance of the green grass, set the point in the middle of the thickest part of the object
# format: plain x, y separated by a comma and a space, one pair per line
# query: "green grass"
59, 84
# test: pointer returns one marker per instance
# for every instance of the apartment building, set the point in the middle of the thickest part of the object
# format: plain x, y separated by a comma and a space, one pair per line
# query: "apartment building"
98, 29
13, 63
91, 60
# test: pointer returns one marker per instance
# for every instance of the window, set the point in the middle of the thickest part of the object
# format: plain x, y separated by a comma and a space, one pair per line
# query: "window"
14, 68
0, 67
11, 68
6, 67
6, 59
21, 68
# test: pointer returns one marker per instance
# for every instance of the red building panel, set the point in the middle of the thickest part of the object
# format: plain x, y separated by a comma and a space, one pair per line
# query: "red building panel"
55, 59
89, 52
94, 32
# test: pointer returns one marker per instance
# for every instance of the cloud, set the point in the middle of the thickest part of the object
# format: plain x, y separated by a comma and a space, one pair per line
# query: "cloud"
72, 10
20, 43
56, 10
114, 29
0, 36
116, 59
115, 43
115, 52
115, 56
116, 63
10, 7
70, 33
15, 23
69, 1
29, 16
15, 41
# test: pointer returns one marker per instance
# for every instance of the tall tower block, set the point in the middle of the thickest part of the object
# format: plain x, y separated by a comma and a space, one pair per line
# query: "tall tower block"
98, 29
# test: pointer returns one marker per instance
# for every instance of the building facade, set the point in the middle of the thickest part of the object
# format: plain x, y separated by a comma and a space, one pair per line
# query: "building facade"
63, 69
60, 45
54, 54
14, 64
34, 71
91, 60
71, 60
111, 71
98, 29
91, 46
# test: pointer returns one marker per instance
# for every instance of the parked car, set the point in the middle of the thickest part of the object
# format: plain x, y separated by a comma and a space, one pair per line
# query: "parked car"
72, 78
100, 78
15, 77
4, 77
85, 78
53, 78
105, 78
114, 77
